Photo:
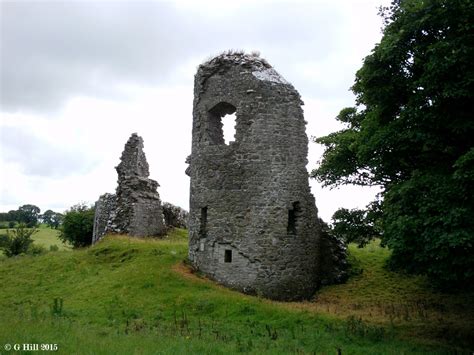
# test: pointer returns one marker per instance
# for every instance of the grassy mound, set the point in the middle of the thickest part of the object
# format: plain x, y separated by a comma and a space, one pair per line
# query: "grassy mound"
128, 295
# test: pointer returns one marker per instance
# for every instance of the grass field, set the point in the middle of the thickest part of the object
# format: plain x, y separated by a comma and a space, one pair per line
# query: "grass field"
45, 237
48, 237
132, 296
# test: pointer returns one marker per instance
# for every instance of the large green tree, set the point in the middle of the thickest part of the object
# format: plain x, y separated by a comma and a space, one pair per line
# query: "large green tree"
52, 219
29, 214
412, 134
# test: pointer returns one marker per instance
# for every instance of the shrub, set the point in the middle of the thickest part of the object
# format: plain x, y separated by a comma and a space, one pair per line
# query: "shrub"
3, 240
77, 227
35, 250
17, 241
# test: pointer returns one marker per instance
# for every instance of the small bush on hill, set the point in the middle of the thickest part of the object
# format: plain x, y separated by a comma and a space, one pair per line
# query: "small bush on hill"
3, 238
77, 227
17, 241
35, 250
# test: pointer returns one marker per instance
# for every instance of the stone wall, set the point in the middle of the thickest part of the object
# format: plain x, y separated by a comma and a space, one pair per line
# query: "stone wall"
104, 216
253, 221
175, 216
136, 208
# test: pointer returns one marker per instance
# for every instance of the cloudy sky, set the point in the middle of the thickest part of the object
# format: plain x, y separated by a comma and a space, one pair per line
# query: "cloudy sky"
78, 77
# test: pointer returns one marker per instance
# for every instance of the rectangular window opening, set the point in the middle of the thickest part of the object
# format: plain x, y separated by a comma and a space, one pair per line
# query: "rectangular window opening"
228, 256
293, 215
203, 224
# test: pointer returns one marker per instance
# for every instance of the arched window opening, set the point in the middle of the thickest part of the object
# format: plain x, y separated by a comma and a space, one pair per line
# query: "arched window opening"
222, 123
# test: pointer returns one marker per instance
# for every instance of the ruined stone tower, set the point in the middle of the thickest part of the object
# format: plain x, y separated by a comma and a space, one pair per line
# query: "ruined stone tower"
253, 221
136, 208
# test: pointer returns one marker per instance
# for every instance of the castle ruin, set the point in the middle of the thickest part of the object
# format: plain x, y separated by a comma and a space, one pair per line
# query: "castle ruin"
136, 208
253, 222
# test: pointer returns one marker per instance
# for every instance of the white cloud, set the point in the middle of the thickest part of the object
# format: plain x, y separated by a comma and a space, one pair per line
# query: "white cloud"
38, 157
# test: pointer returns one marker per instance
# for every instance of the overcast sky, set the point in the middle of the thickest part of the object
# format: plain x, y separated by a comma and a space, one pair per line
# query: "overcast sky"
78, 77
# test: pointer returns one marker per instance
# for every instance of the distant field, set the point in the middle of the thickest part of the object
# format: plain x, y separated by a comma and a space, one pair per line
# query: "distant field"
127, 295
47, 237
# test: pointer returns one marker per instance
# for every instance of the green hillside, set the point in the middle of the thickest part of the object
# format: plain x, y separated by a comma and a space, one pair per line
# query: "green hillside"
126, 296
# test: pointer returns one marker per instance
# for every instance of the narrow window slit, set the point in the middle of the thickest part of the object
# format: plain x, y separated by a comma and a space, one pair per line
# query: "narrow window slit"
293, 217
203, 224
228, 256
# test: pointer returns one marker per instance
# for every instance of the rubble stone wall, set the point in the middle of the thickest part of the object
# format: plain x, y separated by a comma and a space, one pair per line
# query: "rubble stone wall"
175, 216
104, 215
136, 208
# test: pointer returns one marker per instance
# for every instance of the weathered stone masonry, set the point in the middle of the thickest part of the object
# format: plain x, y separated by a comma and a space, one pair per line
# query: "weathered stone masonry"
253, 221
136, 208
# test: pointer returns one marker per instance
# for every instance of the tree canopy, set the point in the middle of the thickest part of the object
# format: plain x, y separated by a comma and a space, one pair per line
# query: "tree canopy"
28, 214
357, 226
411, 133
51, 218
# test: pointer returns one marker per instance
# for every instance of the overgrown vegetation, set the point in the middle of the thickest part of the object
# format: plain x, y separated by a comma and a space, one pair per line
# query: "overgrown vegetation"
411, 134
125, 295
77, 226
